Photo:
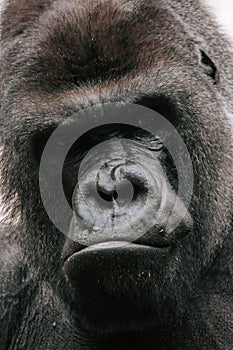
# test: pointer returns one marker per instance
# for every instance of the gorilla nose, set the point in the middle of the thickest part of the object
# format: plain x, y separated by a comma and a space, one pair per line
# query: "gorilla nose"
120, 199
111, 197
120, 183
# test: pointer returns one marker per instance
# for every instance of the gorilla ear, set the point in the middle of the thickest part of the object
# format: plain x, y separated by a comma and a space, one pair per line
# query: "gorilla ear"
19, 14
210, 67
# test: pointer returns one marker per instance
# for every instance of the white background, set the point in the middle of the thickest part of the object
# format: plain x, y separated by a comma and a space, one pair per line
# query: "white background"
224, 11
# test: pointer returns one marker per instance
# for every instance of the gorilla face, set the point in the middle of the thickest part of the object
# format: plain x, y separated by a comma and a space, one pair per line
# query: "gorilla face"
108, 107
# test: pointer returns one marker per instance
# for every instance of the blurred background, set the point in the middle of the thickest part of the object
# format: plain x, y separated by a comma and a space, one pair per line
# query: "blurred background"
224, 12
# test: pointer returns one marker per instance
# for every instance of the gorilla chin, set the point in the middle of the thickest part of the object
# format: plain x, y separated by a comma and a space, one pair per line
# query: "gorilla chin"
124, 284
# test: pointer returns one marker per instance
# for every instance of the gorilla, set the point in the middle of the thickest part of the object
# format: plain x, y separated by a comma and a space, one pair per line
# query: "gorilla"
122, 110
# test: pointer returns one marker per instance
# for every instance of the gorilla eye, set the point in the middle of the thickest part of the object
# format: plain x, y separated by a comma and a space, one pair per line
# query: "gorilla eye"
156, 145
210, 68
152, 142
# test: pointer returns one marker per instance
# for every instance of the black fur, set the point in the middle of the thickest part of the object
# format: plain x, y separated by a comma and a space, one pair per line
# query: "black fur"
60, 56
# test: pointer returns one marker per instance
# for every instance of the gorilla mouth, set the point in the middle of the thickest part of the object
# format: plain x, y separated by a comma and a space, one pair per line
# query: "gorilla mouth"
158, 244
119, 244
157, 239
111, 248
107, 253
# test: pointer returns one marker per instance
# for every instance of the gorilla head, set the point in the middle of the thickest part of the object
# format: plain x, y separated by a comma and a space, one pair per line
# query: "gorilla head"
116, 176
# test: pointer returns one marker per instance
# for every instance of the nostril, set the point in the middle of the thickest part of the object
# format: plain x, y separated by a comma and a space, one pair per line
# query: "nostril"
105, 194
105, 185
121, 183
140, 189
115, 195
121, 192
111, 196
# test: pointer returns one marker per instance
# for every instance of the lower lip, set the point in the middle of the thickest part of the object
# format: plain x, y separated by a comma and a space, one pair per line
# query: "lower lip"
108, 245
118, 246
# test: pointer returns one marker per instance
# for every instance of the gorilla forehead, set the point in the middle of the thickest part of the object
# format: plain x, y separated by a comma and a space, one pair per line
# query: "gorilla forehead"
82, 42
77, 43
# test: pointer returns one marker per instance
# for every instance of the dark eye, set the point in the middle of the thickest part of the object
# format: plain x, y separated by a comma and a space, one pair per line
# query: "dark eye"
150, 141
210, 68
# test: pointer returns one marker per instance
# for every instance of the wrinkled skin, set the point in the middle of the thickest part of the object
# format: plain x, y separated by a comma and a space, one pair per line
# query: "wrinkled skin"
168, 291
